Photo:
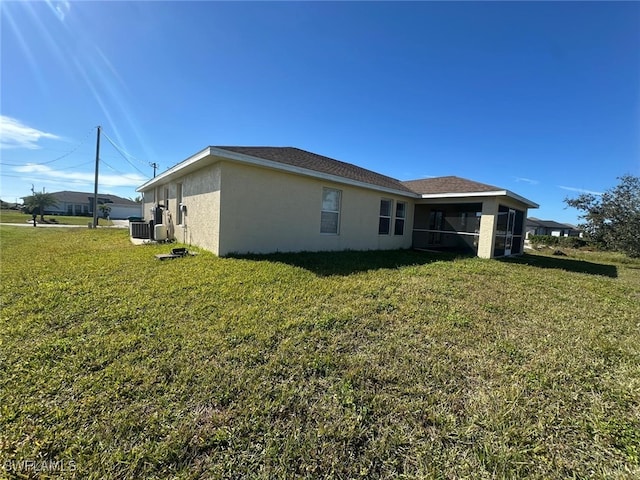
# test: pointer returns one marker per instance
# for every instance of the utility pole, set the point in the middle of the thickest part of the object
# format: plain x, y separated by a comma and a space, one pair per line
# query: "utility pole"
95, 186
154, 165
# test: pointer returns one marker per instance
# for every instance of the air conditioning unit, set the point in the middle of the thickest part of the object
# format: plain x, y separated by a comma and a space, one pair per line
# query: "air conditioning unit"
139, 230
160, 232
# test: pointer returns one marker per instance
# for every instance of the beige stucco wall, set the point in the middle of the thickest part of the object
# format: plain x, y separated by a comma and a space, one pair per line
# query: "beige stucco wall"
265, 210
489, 221
201, 195
236, 208
488, 227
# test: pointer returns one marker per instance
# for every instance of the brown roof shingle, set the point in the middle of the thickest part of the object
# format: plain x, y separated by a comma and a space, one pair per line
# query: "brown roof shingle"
449, 184
312, 161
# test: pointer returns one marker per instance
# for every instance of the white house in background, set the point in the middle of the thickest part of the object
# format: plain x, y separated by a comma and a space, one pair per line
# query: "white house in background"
535, 226
81, 204
267, 199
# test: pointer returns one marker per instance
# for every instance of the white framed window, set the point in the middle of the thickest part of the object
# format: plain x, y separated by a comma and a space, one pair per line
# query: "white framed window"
401, 213
384, 224
179, 216
330, 212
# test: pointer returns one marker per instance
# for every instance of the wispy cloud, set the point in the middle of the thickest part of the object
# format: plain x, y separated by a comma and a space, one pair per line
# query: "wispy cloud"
81, 178
60, 9
579, 190
527, 180
15, 134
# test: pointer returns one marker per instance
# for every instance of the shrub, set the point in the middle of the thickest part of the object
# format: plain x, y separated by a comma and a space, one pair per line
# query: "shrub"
552, 241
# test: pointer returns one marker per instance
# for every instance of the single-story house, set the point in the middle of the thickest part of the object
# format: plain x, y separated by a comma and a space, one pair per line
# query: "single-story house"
81, 204
535, 226
267, 199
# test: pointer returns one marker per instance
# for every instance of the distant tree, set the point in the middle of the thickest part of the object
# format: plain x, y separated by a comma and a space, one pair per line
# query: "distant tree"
105, 209
138, 199
612, 220
37, 203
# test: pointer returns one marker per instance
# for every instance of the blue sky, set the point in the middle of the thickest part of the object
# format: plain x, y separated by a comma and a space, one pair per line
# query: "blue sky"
540, 98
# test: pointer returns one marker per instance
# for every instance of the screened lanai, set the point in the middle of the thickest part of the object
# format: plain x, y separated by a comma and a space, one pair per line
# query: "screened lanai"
460, 215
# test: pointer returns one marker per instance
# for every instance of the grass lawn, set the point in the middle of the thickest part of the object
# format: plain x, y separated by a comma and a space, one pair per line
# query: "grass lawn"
335, 365
14, 216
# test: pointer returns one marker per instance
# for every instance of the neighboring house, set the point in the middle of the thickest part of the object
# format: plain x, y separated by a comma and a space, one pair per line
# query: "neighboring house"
267, 199
81, 204
535, 226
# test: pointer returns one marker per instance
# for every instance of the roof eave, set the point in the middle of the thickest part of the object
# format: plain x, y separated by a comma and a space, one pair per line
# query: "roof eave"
496, 193
223, 154
169, 174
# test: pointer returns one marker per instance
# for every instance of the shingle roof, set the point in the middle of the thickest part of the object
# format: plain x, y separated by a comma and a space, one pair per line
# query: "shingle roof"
548, 223
67, 196
318, 163
449, 184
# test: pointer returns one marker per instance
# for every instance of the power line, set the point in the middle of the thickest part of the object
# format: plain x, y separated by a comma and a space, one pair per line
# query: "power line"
118, 171
55, 159
123, 151
122, 154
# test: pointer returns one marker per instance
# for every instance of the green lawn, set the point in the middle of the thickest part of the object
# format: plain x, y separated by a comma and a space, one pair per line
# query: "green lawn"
343, 365
14, 216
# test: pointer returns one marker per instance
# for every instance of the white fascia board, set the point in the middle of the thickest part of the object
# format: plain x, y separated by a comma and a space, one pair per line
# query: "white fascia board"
497, 193
168, 174
526, 201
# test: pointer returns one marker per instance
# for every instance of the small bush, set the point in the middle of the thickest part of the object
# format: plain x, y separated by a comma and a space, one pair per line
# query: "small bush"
552, 241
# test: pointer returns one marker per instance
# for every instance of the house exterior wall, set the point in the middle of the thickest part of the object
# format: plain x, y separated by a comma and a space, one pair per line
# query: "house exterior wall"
118, 211
199, 223
121, 212
231, 207
263, 211
489, 222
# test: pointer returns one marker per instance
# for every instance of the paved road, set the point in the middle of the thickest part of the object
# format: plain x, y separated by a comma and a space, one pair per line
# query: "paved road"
116, 224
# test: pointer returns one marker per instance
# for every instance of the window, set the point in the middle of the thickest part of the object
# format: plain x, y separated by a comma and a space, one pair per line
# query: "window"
330, 215
401, 212
384, 225
166, 198
179, 203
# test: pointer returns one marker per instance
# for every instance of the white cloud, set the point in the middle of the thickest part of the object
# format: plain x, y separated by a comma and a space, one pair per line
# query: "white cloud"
81, 178
527, 180
579, 190
15, 134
